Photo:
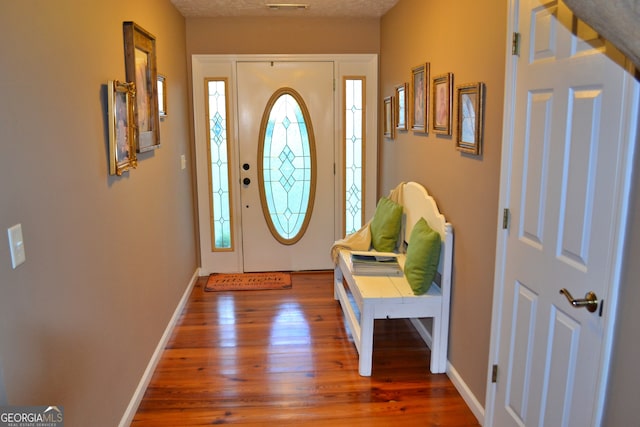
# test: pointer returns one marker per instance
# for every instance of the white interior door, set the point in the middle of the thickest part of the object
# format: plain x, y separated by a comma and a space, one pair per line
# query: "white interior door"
264, 248
567, 192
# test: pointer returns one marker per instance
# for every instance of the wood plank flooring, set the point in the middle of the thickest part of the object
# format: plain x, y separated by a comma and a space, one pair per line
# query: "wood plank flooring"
283, 357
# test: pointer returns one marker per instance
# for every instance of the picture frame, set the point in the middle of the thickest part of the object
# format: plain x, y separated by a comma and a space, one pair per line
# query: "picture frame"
420, 97
442, 103
122, 150
401, 105
162, 96
141, 69
470, 99
388, 120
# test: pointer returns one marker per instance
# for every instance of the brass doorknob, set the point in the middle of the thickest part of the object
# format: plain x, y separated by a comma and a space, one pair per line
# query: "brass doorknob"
590, 301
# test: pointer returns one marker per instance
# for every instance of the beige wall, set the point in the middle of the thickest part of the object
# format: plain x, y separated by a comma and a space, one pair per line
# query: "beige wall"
278, 35
108, 258
466, 38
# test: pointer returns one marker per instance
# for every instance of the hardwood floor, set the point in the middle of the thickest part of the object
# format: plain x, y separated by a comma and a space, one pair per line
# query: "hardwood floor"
283, 357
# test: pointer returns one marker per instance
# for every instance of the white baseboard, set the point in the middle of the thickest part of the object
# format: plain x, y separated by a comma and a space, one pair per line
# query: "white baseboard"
128, 415
459, 384
465, 392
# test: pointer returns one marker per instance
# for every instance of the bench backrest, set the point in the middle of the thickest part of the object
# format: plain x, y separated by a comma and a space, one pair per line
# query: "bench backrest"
417, 203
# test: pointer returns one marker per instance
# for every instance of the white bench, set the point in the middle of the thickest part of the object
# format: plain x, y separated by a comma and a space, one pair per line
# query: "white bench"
388, 297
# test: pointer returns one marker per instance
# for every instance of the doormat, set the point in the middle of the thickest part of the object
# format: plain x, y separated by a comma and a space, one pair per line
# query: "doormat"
218, 282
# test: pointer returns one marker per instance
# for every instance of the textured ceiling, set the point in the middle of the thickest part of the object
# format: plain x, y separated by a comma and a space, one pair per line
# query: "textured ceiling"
325, 8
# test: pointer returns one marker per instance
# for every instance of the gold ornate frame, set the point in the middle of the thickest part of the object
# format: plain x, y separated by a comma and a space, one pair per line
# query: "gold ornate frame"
162, 96
470, 118
140, 64
122, 151
401, 106
420, 77
388, 122
442, 103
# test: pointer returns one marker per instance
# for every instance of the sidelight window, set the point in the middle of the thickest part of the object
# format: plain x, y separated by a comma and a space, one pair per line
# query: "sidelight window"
354, 149
219, 159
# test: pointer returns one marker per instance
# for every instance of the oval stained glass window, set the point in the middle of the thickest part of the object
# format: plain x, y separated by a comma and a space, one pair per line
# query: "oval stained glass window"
286, 166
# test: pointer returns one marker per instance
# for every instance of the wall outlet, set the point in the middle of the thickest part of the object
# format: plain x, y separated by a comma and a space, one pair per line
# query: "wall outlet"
16, 245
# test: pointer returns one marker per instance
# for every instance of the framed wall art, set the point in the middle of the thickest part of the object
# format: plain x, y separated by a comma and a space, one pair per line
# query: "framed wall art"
387, 130
442, 102
420, 98
401, 107
140, 64
470, 118
122, 150
162, 96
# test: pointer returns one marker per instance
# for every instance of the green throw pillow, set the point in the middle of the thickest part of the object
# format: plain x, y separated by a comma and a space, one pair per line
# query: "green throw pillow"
423, 256
385, 225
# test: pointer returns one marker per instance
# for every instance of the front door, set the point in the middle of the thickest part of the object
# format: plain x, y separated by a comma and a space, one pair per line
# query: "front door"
286, 140
566, 192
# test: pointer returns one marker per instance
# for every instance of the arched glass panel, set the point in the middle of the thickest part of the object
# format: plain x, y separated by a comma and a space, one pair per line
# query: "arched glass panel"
286, 166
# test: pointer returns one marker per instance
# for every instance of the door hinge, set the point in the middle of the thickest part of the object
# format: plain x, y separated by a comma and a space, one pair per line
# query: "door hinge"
494, 374
515, 44
505, 218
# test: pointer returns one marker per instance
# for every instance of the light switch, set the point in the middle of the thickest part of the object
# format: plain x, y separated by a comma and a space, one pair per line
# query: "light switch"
183, 161
16, 245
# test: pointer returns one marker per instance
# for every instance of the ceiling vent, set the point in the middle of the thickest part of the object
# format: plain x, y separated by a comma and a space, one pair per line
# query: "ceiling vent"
287, 6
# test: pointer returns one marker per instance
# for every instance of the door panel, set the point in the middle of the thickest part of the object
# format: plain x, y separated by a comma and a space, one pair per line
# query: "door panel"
256, 83
565, 184
521, 350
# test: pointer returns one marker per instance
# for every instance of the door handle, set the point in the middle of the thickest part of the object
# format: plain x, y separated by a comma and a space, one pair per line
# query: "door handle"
590, 301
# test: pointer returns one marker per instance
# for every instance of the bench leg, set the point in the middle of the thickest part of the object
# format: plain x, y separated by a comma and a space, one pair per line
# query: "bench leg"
436, 366
366, 340
337, 281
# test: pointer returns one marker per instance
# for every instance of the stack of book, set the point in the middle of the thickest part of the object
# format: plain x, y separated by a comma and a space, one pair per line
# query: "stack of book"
368, 263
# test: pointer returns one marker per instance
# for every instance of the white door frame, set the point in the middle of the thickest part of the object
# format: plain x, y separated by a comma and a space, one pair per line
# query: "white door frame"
622, 206
223, 66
